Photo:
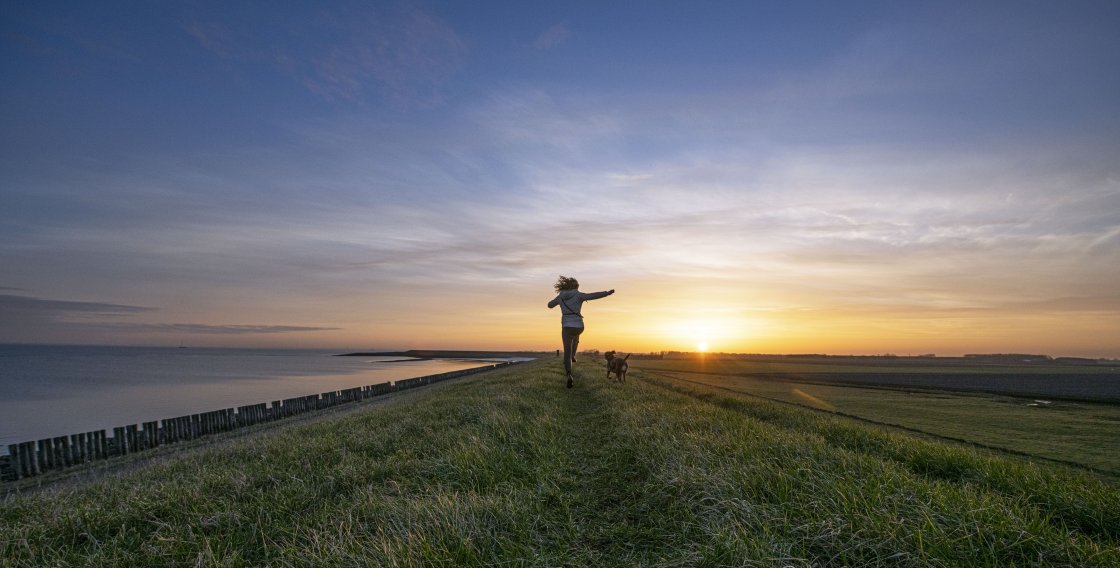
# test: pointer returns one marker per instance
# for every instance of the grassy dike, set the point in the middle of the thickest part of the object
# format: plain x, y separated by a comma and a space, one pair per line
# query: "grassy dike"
508, 467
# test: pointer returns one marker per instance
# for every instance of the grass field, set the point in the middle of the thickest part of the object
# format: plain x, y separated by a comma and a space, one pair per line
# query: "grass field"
1079, 433
510, 468
1085, 383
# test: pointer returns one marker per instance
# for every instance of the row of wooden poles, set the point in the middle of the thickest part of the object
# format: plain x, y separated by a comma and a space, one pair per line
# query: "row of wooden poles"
28, 459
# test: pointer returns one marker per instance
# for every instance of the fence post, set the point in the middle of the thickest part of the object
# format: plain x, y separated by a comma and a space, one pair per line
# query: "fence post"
120, 444
15, 459
132, 433
78, 447
100, 446
151, 434
59, 452
30, 459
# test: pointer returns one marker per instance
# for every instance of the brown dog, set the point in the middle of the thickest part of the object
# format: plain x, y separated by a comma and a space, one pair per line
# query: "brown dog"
617, 365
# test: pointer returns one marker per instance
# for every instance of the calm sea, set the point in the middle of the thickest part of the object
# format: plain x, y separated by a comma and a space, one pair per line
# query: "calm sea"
50, 391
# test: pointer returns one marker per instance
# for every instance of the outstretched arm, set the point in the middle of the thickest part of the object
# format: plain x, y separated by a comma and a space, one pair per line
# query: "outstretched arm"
596, 295
554, 302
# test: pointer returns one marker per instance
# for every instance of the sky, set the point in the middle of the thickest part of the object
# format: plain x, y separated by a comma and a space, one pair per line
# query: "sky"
756, 177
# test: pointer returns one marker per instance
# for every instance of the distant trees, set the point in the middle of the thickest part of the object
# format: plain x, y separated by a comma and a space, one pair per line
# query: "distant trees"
1008, 358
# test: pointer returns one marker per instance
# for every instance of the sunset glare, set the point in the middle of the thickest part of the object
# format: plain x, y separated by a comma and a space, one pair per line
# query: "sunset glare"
786, 177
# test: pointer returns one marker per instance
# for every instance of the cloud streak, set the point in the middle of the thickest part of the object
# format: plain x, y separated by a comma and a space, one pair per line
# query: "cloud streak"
27, 318
11, 305
552, 38
207, 329
404, 55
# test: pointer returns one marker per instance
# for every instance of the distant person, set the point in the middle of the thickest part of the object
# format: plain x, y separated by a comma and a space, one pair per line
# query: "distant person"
570, 300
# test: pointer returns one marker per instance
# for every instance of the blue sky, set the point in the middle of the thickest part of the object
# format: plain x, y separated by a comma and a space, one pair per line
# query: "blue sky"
770, 176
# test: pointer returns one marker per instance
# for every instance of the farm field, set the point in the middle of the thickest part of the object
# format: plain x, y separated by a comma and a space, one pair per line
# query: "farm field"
1081, 433
509, 467
992, 405
1095, 383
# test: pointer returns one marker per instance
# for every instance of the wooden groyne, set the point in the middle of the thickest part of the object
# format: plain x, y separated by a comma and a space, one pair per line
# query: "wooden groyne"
33, 458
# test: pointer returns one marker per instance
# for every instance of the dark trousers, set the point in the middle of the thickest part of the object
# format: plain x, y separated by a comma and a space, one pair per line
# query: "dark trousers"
570, 337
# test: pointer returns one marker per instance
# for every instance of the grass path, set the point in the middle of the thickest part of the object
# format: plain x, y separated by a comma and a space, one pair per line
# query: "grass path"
509, 468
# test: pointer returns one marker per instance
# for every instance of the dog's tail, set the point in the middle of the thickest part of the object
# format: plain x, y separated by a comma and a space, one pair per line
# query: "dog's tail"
627, 356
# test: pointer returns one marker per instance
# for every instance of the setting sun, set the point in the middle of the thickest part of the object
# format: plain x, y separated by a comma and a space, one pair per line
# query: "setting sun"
712, 331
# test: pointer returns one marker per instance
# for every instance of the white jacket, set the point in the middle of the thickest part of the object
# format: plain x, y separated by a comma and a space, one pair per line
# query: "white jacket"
570, 302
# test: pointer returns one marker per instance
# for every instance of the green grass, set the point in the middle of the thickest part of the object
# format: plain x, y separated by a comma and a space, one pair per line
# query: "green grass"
510, 468
1076, 432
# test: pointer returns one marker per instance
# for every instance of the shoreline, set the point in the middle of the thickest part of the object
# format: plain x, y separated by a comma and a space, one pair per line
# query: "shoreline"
428, 354
33, 458
118, 466
48, 393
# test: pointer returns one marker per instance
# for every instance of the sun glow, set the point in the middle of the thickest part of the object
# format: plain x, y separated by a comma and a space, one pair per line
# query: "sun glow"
703, 335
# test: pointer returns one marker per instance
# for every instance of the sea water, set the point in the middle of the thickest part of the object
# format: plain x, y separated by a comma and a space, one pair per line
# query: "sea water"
48, 391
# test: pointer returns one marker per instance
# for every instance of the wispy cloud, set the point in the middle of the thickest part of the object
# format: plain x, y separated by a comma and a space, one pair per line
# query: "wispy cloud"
215, 37
403, 55
36, 319
29, 319
409, 55
11, 305
206, 329
552, 37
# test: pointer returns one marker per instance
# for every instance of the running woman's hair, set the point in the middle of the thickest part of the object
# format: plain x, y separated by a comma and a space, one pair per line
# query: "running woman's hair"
566, 283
